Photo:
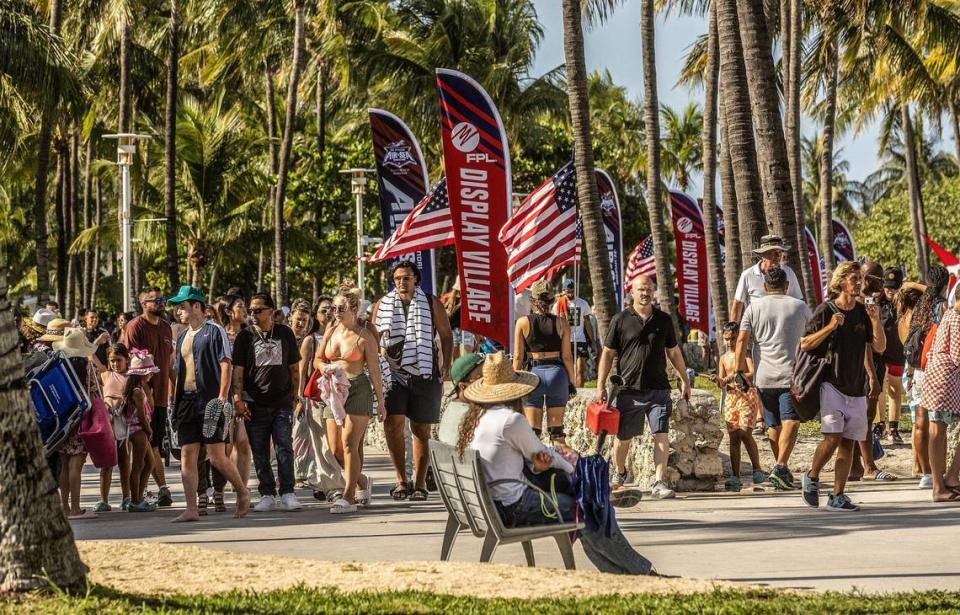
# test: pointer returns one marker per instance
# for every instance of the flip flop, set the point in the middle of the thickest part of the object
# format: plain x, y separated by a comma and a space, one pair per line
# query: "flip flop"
86, 514
953, 497
342, 506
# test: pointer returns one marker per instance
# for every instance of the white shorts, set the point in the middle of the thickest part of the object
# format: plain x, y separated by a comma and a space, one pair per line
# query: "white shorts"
842, 414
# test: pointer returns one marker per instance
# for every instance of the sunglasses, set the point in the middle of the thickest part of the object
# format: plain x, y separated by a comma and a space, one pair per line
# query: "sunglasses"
325, 310
158, 301
340, 309
258, 311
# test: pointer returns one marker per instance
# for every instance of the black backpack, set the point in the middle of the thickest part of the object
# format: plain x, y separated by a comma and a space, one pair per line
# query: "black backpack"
809, 372
913, 347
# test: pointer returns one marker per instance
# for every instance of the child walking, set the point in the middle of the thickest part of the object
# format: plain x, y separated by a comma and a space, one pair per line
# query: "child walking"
114, 382
136, 394
741, 407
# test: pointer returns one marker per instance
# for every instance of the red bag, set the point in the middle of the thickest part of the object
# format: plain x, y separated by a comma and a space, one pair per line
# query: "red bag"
928, 344
602, 417
96, 432
312, 391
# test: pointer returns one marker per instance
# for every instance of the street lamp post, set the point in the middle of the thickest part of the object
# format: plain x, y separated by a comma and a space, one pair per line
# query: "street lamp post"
126, 151
358, 186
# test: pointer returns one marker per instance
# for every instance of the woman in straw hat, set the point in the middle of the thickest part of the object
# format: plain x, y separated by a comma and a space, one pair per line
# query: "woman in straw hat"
73, 345
496, 428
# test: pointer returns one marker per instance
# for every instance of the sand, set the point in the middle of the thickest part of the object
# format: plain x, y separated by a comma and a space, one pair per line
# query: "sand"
157, 568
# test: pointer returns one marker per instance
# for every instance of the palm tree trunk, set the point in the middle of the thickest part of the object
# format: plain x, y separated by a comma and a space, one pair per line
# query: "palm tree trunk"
711, 74
61, 218
170, 143
731, 219
40, 234
124, 118
321, 103
955, 121
86, 296
605, 304
734, 93
272, 149
918, 223
38, 546
289, 126
213, 280
826, 163
771, 144
792, 79
73, 224
651, 118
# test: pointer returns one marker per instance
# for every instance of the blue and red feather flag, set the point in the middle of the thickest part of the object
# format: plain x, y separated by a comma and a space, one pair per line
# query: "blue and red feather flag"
428, 226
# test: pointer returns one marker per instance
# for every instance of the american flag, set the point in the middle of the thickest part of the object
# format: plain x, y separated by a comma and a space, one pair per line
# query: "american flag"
542, 233
428, 225
641, 262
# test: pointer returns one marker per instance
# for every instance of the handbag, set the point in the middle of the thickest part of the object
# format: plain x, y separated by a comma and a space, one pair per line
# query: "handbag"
96, 432
809, 372
312, 390
878, 450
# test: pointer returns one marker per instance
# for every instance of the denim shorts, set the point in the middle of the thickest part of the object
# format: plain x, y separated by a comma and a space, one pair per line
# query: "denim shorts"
777, 406
654, 406
553, 391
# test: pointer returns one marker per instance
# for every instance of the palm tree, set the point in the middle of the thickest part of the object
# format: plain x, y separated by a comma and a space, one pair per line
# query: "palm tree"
682, 146
283, 170
739, 130
604, 302
38, 543
770, 140
850, 198
651, 120
170, 142
826, 159
711, 74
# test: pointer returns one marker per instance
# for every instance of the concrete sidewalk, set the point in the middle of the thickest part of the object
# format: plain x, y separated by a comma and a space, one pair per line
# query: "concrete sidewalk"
900, 541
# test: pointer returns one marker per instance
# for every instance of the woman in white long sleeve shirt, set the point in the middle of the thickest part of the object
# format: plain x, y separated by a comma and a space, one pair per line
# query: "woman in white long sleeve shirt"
497, 429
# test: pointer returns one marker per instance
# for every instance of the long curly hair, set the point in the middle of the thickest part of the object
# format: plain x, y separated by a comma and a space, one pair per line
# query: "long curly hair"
472, 418
937, 277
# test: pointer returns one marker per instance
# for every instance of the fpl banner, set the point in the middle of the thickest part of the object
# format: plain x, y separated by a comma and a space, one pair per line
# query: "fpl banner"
814, 255
843, 248
402, 179
612, 229
476, 161
692, 279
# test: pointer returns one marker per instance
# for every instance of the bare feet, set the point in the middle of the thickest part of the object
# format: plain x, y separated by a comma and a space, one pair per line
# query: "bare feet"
187, 515
243, 504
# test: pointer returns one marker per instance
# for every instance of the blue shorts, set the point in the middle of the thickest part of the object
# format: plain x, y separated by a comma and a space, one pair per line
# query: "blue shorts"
777, 406
654, 406
553, 390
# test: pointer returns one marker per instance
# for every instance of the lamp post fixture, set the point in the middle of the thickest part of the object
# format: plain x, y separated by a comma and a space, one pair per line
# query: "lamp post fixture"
358, 186
126, 152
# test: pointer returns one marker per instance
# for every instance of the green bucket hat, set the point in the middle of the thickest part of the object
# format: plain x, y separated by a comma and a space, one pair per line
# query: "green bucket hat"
188, 293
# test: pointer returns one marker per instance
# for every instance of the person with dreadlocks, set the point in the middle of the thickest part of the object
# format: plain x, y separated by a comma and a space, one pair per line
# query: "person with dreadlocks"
928, 312
495, 427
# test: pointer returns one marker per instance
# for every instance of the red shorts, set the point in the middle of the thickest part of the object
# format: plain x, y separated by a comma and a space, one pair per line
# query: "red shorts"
895, 370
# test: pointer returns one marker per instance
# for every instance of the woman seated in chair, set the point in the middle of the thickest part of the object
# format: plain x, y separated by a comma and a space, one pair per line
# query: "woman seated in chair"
496, 428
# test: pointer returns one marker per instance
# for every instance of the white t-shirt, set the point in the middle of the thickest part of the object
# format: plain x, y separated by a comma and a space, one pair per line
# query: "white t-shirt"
505, 441
777, 322
579, 310
751, 286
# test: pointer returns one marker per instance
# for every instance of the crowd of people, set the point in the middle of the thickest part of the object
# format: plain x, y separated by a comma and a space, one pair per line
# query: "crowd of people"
235, 383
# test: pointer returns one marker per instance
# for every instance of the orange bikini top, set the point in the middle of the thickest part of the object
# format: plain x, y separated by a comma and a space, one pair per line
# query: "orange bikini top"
351, 357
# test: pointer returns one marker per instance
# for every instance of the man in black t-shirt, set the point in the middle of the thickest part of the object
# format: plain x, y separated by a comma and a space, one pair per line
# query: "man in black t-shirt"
96, 334
265, 378
642, 338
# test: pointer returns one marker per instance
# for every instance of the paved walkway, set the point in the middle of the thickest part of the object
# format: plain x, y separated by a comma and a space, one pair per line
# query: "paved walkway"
899, 542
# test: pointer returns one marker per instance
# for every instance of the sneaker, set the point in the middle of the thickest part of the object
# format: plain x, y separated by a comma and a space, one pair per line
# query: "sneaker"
895, 437
759, 477
926, 482
290, 502
125, 504
266, 504
780, 478
660, 491
841, 503
102, 506
164, 499
790, 479
879, 431
811, 491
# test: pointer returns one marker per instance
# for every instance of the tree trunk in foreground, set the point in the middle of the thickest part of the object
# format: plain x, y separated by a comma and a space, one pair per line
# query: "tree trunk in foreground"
826, 164
918, 223
36, 541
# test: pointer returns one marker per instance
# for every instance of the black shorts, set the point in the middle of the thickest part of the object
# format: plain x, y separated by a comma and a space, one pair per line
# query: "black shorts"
158, 424
419, 400
635, 407
582, 350
188, 419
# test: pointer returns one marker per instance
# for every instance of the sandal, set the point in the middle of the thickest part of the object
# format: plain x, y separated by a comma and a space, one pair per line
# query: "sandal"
333, 496
202, 502
418, 495
218, 502
342, 506
401, 491
883, 476
364, 495
733, 484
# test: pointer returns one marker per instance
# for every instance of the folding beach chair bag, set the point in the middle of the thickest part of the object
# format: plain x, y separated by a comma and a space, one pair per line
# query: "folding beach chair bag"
59, 400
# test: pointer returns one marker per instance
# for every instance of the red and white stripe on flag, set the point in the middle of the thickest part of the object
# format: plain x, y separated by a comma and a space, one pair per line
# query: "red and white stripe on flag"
541, 236
641, 262
429, 225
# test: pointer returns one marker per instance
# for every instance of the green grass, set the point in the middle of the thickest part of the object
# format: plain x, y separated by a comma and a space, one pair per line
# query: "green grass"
102, 601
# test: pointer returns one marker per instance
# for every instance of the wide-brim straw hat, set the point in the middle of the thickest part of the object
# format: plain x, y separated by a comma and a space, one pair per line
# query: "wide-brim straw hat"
75, 344
769, 243
55, 330
500, 383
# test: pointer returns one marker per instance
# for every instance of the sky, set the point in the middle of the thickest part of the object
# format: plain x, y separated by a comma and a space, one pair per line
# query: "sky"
615, 46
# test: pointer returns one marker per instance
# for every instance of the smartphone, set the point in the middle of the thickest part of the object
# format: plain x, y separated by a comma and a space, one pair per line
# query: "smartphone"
869, 301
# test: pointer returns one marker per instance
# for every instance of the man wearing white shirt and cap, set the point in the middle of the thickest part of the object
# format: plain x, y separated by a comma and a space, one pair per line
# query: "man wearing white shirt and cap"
751, 284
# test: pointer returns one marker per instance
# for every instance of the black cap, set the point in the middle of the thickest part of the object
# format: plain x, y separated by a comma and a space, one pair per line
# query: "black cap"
775, 277
893, 278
